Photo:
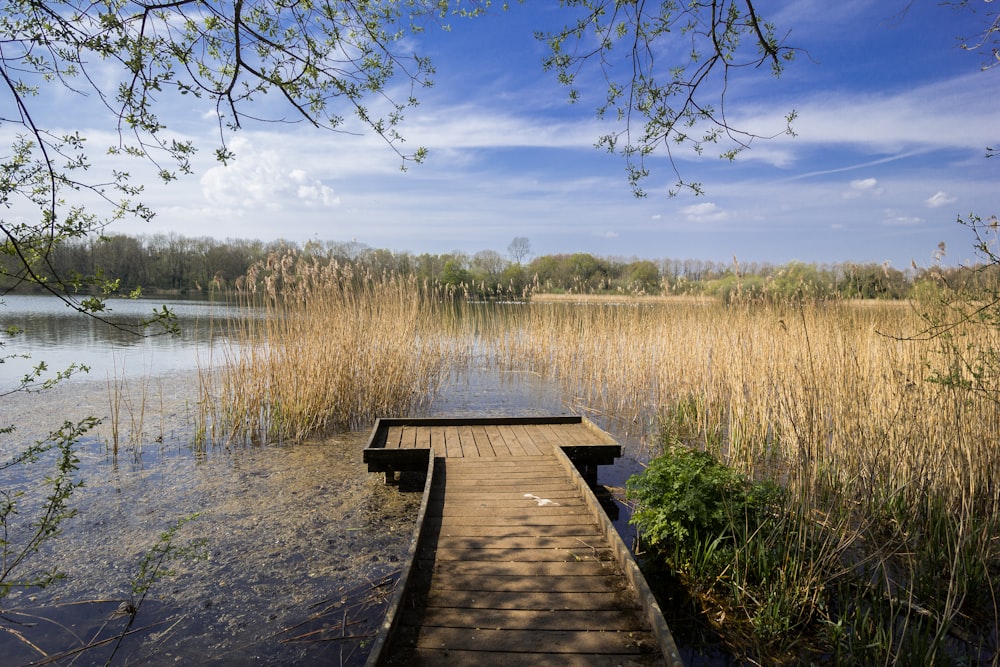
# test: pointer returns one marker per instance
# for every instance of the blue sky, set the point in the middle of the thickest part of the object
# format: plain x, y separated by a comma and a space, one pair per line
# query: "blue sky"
893, 122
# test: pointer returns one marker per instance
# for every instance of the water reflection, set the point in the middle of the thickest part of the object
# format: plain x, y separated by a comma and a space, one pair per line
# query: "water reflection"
54, 333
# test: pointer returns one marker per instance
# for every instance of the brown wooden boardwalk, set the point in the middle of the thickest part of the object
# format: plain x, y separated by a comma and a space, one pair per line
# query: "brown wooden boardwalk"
513, 561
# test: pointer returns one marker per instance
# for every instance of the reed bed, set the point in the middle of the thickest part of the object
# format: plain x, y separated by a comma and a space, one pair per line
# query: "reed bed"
319, 346
891, 544
886, 548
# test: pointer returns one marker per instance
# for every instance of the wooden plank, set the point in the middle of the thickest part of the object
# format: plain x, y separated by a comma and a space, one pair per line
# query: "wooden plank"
547, 569
511, 440
522, 555
427, 657
483, 443
437, 524
527, 641
517, 542
525, 520
438, 441
528, 619
470, 504
537, 487
552, 438
595, 434
500, 514
534, 584
469, 449
423, 440
386, 422
497, 442
393, 436
574, 434
503, 469
471, 601
408, 437
525, 440
466, 494
522, 485
452, 443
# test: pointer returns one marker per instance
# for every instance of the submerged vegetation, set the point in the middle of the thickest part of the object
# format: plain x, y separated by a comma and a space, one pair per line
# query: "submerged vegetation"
824, 474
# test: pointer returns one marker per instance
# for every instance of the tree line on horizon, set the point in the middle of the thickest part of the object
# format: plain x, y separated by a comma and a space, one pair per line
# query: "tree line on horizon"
193, 266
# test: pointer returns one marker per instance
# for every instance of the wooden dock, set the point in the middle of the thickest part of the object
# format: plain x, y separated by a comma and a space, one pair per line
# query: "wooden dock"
513, 561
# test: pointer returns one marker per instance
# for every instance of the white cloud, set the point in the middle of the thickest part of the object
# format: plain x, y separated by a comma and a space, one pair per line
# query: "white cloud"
937, 115
707, 212
607, 235
862, 186
898, 219
262, 180
939, 199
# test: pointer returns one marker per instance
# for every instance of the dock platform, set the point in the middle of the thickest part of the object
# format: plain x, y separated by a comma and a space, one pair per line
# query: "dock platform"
513, 561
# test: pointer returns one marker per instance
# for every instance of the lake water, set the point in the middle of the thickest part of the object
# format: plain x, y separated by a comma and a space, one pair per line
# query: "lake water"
299, 544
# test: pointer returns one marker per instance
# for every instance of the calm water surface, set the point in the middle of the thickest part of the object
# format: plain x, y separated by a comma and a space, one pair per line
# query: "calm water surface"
299, 544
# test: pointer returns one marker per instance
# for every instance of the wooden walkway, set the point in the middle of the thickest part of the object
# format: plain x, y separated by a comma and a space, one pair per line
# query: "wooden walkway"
513, 560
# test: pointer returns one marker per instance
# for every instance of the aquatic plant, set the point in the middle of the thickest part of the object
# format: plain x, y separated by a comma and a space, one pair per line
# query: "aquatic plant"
885, 444
322, 345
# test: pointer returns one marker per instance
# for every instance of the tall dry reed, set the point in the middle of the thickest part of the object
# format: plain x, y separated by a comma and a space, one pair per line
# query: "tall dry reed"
321, 345
895, 474
832, 387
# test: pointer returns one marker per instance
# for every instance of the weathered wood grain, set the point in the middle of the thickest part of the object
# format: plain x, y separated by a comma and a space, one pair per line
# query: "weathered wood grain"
515, 563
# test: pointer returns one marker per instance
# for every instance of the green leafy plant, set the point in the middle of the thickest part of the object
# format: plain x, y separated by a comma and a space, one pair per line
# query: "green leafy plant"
687, 496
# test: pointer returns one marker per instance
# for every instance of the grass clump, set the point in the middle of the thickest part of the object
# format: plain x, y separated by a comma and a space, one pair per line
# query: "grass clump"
821, 569
687, 496
324, 345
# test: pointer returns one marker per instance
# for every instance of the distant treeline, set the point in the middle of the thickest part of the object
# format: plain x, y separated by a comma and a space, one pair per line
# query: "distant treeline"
174, 264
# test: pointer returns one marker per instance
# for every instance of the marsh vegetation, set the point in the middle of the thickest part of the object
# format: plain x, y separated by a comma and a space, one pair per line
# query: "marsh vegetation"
822, 473
857, 519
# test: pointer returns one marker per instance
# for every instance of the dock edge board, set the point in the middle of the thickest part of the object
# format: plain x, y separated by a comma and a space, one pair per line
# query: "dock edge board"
603, 451
387, 631
650, 607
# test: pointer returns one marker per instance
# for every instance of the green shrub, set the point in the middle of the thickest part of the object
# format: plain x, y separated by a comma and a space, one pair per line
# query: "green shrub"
686, 496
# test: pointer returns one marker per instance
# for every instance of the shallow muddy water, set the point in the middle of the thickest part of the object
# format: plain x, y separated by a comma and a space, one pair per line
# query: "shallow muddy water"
300, 545
294, 548
289, 533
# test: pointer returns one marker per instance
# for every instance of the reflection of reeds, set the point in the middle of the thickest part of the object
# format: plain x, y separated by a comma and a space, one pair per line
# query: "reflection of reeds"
320, 345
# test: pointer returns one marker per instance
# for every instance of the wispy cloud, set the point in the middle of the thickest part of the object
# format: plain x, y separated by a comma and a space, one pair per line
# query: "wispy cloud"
939, 114
864, 186
898, 219
939, 199
707, 212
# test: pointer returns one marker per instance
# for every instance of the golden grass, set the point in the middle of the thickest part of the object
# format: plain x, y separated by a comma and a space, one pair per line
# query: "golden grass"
322, 346
896, 476
833, 385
